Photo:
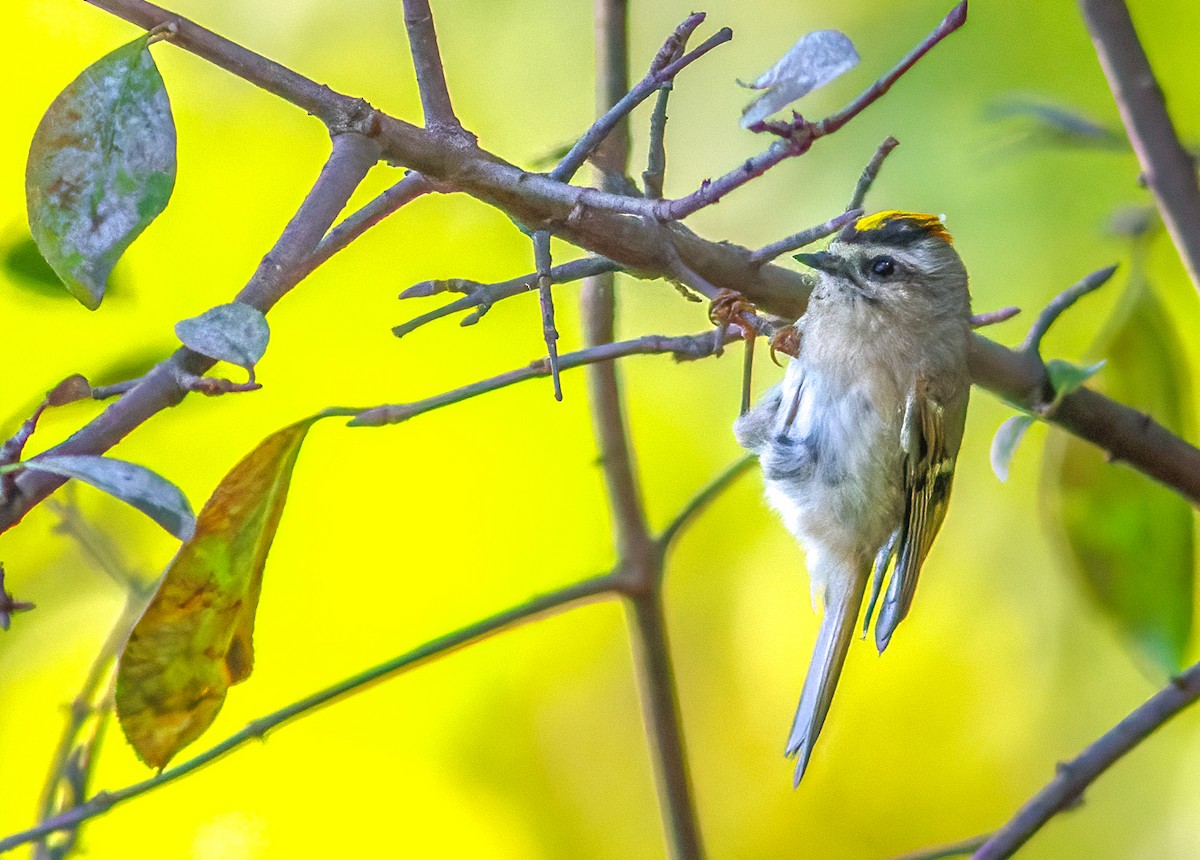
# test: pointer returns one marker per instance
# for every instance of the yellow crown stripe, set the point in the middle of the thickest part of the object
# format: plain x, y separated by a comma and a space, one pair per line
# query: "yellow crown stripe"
932, 223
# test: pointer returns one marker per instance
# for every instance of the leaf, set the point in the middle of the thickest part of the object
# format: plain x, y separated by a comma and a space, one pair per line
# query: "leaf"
195, 639
1066, 376
814, 61
1058, 125
1004, 443
236, 333
1128, 537
101, 168
149, 492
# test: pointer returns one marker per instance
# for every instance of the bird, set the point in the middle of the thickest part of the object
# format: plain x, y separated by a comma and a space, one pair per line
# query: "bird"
857, 445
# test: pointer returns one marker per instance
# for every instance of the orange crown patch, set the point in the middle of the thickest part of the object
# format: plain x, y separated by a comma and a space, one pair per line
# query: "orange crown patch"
930, 224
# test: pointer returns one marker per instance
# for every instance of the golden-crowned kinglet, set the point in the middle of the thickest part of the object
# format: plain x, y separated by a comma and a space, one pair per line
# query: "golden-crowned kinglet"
857, 444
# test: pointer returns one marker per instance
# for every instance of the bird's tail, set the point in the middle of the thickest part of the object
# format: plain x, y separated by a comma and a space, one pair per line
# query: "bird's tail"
838, 625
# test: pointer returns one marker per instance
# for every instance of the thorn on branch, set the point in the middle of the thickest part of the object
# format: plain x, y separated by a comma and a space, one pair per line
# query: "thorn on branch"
994, 317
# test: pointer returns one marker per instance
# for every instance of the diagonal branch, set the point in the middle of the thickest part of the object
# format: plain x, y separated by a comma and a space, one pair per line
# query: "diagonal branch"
662, 72
164, 386
683, 347
1075, 776
483, 296
1169, 169
102, 802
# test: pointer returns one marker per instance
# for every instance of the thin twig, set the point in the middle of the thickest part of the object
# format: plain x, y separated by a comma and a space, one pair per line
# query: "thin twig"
870, 172
483, 296
1073, 777
1060, 303
427, 61
542, 265
624, 105
656, 158
702, 499
953, 849
84, 707
993, 317
802, 134
405, 191
1169, 169
682, 347
257, 730
805, 237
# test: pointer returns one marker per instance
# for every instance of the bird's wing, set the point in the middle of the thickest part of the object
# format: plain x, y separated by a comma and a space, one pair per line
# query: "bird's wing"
928, 473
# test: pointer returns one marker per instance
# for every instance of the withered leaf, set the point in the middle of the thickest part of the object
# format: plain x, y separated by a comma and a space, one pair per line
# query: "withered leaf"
194, 640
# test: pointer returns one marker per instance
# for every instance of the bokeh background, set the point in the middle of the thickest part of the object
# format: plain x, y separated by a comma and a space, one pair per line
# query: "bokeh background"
531, 744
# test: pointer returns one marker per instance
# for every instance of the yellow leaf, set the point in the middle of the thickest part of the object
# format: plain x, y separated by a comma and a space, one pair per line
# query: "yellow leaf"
195, 639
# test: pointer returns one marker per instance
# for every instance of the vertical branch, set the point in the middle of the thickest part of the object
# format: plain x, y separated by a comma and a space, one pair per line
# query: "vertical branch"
599, 310
638, 559
541, 262
662, 713
1169, 170
427, 60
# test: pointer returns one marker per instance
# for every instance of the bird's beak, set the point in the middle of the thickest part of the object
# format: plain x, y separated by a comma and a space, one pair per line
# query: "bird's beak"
822, 261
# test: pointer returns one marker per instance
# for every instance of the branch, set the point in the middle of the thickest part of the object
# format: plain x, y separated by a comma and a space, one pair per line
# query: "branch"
639, 563
703, 499
1169, 169
954, 849
870, 172
800, 137
1060, 303
662, 72
258, 729
541, 261
1074, 776
164, 386
403, 192
427, 61
683, 347
805, 237
483, 296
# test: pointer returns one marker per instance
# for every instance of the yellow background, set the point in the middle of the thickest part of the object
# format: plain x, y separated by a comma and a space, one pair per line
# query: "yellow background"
531, 744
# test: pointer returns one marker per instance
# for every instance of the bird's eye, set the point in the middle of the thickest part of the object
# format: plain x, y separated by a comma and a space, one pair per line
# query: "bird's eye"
883, 267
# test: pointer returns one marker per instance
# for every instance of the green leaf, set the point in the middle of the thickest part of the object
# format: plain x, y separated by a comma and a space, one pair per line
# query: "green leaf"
1065, 376
236, 333
1004, 443
1128, 537
101, 168
195, 639
149, 492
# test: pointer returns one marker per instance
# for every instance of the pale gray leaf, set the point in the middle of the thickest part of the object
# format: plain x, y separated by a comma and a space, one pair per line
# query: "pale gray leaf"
1004, 443
149, 492
814, 61
236, 333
